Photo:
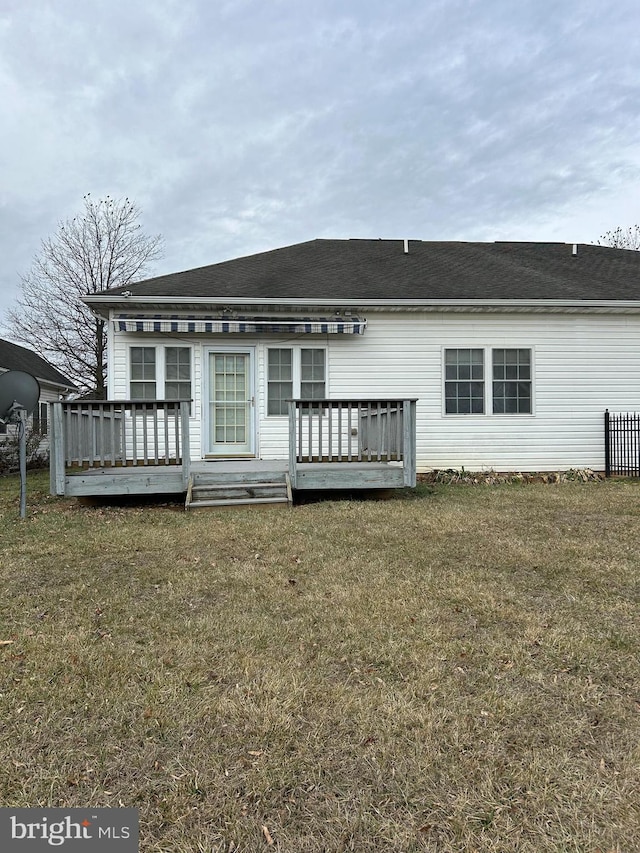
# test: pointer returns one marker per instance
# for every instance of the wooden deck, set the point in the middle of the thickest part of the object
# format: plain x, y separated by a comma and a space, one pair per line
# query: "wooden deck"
169, 479
104, 448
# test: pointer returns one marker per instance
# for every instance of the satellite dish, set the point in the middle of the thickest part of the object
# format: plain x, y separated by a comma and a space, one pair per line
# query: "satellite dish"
18, 390
19, 395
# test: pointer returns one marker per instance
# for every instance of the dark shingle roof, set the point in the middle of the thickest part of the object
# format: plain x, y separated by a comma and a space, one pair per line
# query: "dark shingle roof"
14, 357
379, 269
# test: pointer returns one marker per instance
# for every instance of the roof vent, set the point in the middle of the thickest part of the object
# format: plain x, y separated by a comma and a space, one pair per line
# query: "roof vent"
574, 251
406, 247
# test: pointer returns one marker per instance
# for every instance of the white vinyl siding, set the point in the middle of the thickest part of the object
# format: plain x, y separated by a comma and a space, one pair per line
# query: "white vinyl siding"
581, 364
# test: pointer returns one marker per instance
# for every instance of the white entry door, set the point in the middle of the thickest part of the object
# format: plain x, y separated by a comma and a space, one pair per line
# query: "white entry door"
230, 423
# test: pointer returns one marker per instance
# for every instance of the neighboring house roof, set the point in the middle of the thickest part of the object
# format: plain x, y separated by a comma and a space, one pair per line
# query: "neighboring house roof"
382, 270
14, 357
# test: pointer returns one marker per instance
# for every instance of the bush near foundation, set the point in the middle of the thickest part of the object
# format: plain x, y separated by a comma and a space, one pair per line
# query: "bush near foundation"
10, 450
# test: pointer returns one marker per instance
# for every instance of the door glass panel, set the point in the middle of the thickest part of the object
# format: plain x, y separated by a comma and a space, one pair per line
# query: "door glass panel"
229, 403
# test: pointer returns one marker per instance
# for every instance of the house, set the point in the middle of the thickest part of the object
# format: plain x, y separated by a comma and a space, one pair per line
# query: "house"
53, 385
506, 354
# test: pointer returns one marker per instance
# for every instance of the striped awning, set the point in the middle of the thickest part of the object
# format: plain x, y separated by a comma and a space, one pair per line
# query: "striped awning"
255, 325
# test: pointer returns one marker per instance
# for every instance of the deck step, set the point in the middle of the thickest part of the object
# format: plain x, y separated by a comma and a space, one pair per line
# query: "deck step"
232, 477
211, 490
257, 485
249, 490
238, 502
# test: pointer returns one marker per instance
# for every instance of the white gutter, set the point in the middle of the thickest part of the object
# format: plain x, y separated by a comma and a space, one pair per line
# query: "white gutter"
57, 384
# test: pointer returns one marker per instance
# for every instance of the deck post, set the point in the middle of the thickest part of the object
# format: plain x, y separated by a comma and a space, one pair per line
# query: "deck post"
409, 441
292, 444
52, 446
57, 452
186, 447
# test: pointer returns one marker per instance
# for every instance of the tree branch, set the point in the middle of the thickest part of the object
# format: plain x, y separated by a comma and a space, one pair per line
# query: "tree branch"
98, 250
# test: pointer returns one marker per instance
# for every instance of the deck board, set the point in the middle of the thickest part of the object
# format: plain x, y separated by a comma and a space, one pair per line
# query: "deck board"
168, 479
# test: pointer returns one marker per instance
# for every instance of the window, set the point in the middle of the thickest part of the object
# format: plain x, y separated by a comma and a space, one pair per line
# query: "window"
40, 418
511, 381
280, 380
312, 385
464, 381
160, 373
466, 392
143, 373
294, 372
177, 373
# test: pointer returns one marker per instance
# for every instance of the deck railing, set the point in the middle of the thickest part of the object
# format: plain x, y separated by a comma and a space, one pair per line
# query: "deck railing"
113, 433
380, 430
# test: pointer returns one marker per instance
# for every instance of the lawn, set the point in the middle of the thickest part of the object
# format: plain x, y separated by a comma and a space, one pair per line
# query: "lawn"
456, 669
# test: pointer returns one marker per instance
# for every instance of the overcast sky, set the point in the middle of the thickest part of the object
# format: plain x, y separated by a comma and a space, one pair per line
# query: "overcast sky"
243, 125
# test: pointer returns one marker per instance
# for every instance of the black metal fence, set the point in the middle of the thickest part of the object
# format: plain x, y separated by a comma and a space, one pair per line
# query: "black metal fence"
622, 444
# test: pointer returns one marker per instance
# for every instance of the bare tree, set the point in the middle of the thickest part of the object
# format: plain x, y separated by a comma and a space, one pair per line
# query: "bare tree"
103, 247
622, 238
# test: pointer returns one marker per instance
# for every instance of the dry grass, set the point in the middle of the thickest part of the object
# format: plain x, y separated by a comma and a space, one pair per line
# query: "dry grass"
452, 671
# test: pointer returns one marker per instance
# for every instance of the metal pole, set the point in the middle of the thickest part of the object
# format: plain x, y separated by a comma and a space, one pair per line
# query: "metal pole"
22, 413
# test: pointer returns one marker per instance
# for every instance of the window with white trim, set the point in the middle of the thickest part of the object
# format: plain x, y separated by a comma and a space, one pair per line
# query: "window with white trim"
158, 373
279, 380
312, 370
464, 381
511, 381
177, 373
468, 392
295, 372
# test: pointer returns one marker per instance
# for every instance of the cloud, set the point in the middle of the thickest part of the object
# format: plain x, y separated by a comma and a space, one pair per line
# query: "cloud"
240, 126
